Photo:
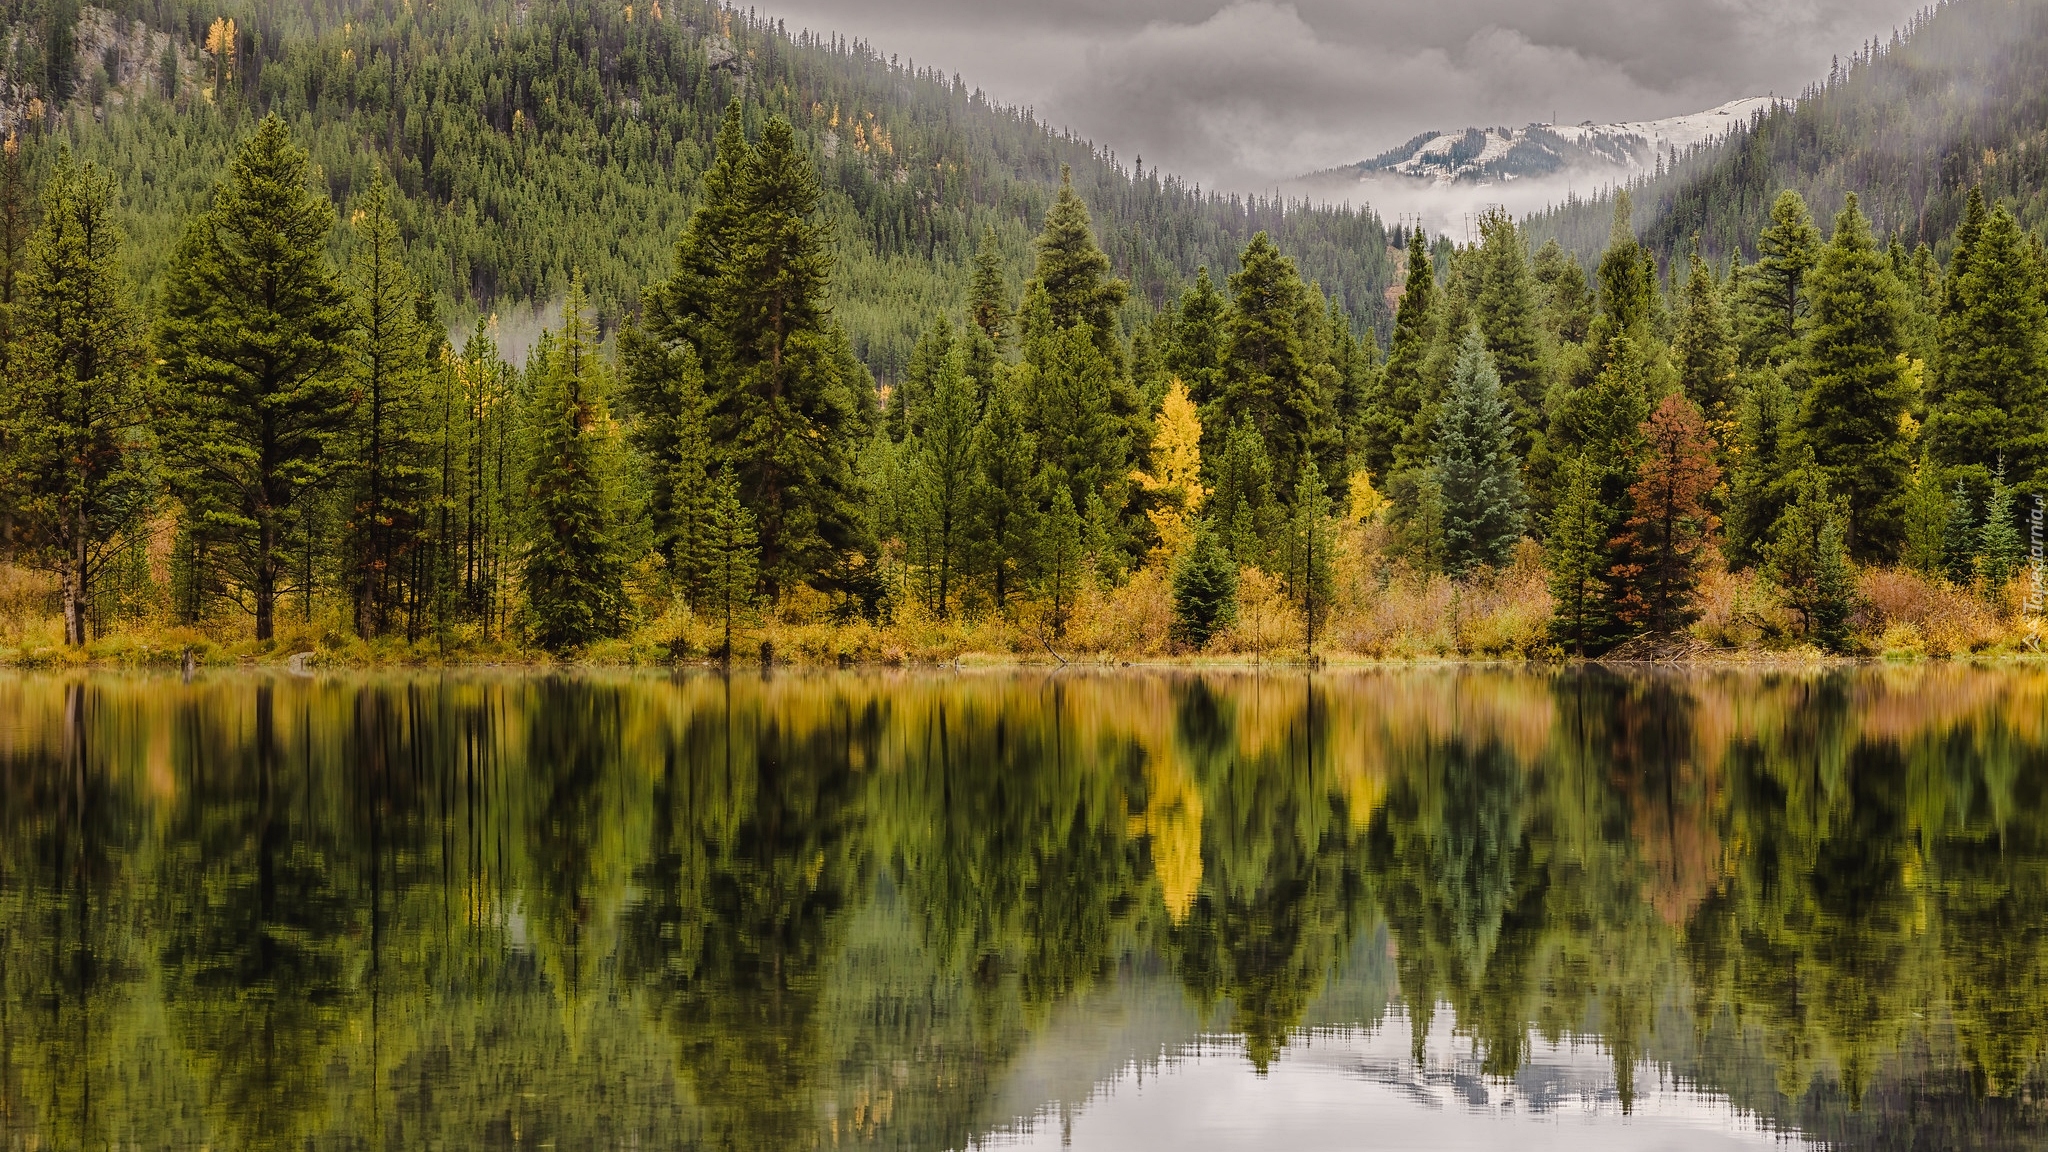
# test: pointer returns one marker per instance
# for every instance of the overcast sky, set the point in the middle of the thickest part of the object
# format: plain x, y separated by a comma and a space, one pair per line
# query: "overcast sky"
1241, 93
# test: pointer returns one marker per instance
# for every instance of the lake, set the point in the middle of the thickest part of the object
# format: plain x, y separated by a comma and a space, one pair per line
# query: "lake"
1421, 908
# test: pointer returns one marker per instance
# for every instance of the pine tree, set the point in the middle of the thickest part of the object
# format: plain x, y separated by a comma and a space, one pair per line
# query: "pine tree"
1266, 377
1404, 389
942, 470
1476, 467
74, 459
1999, 554
663, 389
1703, 346
1628, 284
1309, 558
1808, 557
1567, 304
1061, 556
1761, 465
1075, 275
253, 329
490, 479
389, 448
1603, 420
1196, 354
1069, 392
988, 295
1507, 318
1575, 553
1857, 391
1776, 299
1241, 503
909, 400
1990, 393
1005, 506
1927, 514
1661, 544
1204, 590
734, 553
574, 574
1959, 544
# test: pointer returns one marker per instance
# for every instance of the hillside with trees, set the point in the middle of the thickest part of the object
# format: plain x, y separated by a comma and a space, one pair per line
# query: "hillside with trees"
235, 419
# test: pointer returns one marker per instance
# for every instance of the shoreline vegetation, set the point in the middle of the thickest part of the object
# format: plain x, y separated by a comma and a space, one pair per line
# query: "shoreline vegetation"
1838, 451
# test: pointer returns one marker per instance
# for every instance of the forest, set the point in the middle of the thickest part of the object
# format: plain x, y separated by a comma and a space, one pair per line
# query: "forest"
239, 419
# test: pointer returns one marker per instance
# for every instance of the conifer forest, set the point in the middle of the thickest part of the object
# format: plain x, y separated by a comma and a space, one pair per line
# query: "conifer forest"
480, 331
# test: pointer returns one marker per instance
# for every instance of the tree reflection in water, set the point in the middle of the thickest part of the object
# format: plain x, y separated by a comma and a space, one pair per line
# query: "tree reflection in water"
478, 911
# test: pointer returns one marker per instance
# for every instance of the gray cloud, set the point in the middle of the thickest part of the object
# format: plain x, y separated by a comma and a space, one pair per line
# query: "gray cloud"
1245, 93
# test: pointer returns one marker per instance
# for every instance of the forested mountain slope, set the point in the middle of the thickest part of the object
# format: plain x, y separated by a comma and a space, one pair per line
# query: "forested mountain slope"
529, 139
1957, 99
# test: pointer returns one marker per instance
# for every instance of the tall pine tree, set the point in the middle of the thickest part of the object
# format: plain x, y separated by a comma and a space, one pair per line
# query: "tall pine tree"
1989, 398
1476, 466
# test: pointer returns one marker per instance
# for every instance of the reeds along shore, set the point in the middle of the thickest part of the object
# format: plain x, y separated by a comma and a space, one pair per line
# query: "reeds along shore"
1382, 610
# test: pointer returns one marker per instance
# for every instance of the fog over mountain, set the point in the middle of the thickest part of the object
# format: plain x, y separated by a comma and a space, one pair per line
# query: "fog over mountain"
1244, 94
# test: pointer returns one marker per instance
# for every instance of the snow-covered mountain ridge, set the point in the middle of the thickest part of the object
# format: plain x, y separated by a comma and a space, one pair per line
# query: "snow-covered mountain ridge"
1601, 153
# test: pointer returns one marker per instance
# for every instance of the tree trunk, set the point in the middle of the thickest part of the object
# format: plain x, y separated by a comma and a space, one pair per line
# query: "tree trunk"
266, 580
74, 585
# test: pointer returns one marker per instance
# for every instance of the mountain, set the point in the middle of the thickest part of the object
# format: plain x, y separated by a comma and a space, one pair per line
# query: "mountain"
1959, 98
532, 138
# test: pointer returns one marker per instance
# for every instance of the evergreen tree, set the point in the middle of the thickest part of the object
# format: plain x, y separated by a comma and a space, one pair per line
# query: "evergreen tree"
1309, 557
574, 573
1999, 553
1476, 467
662, 385
1074, 275
1927, 515
942, 471
74, 451
1628, 284
1856, 388
1603, 420
1575, 553
1060, 556
1808, 557
1241, 504
1196, 354
1567, 303
1704, 343
389, 449
1762, 464
1508, 320
1776, 294
1990, 393
252, 335
1004, 504
1266, 377
1404, 389
1659, 550
1069, 390
1204, 590
734, 553
909, 401
490, 480
988, 295
1959, 546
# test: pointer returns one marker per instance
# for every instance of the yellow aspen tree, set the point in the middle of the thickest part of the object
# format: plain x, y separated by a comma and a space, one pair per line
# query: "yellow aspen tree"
1176, 473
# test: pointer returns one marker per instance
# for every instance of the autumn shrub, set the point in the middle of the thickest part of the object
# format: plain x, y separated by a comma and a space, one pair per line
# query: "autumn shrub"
1268, 625
1945, 620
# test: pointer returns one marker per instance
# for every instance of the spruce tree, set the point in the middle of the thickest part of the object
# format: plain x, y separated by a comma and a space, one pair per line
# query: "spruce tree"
252, 339
1309, 557
1575, 553
1069, 391
1658, 552
943, 468
1196, 354
74, 451
1476, 466
909, 400
1999, 552
1266, 376
1959, 546
1628, 284
1759, 482
1204, 590
1927, 515
1061, 556
1989, 398
662, 385
1404, 387
1856, 388
1507, 318
1808, 557
1776, 301
734, 553
1003, 498
1241, 502
1703, 346
1075, 275
389, 446
1567, 303
988, 295
574, 572
1603, 419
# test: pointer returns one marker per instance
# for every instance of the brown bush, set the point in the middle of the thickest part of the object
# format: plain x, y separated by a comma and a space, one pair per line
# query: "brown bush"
1899, 606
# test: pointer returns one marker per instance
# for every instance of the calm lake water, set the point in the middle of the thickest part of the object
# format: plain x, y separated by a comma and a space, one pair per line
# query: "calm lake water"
1407, 909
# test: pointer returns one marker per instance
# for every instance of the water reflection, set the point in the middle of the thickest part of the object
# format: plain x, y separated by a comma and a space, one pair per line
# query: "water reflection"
926, 912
